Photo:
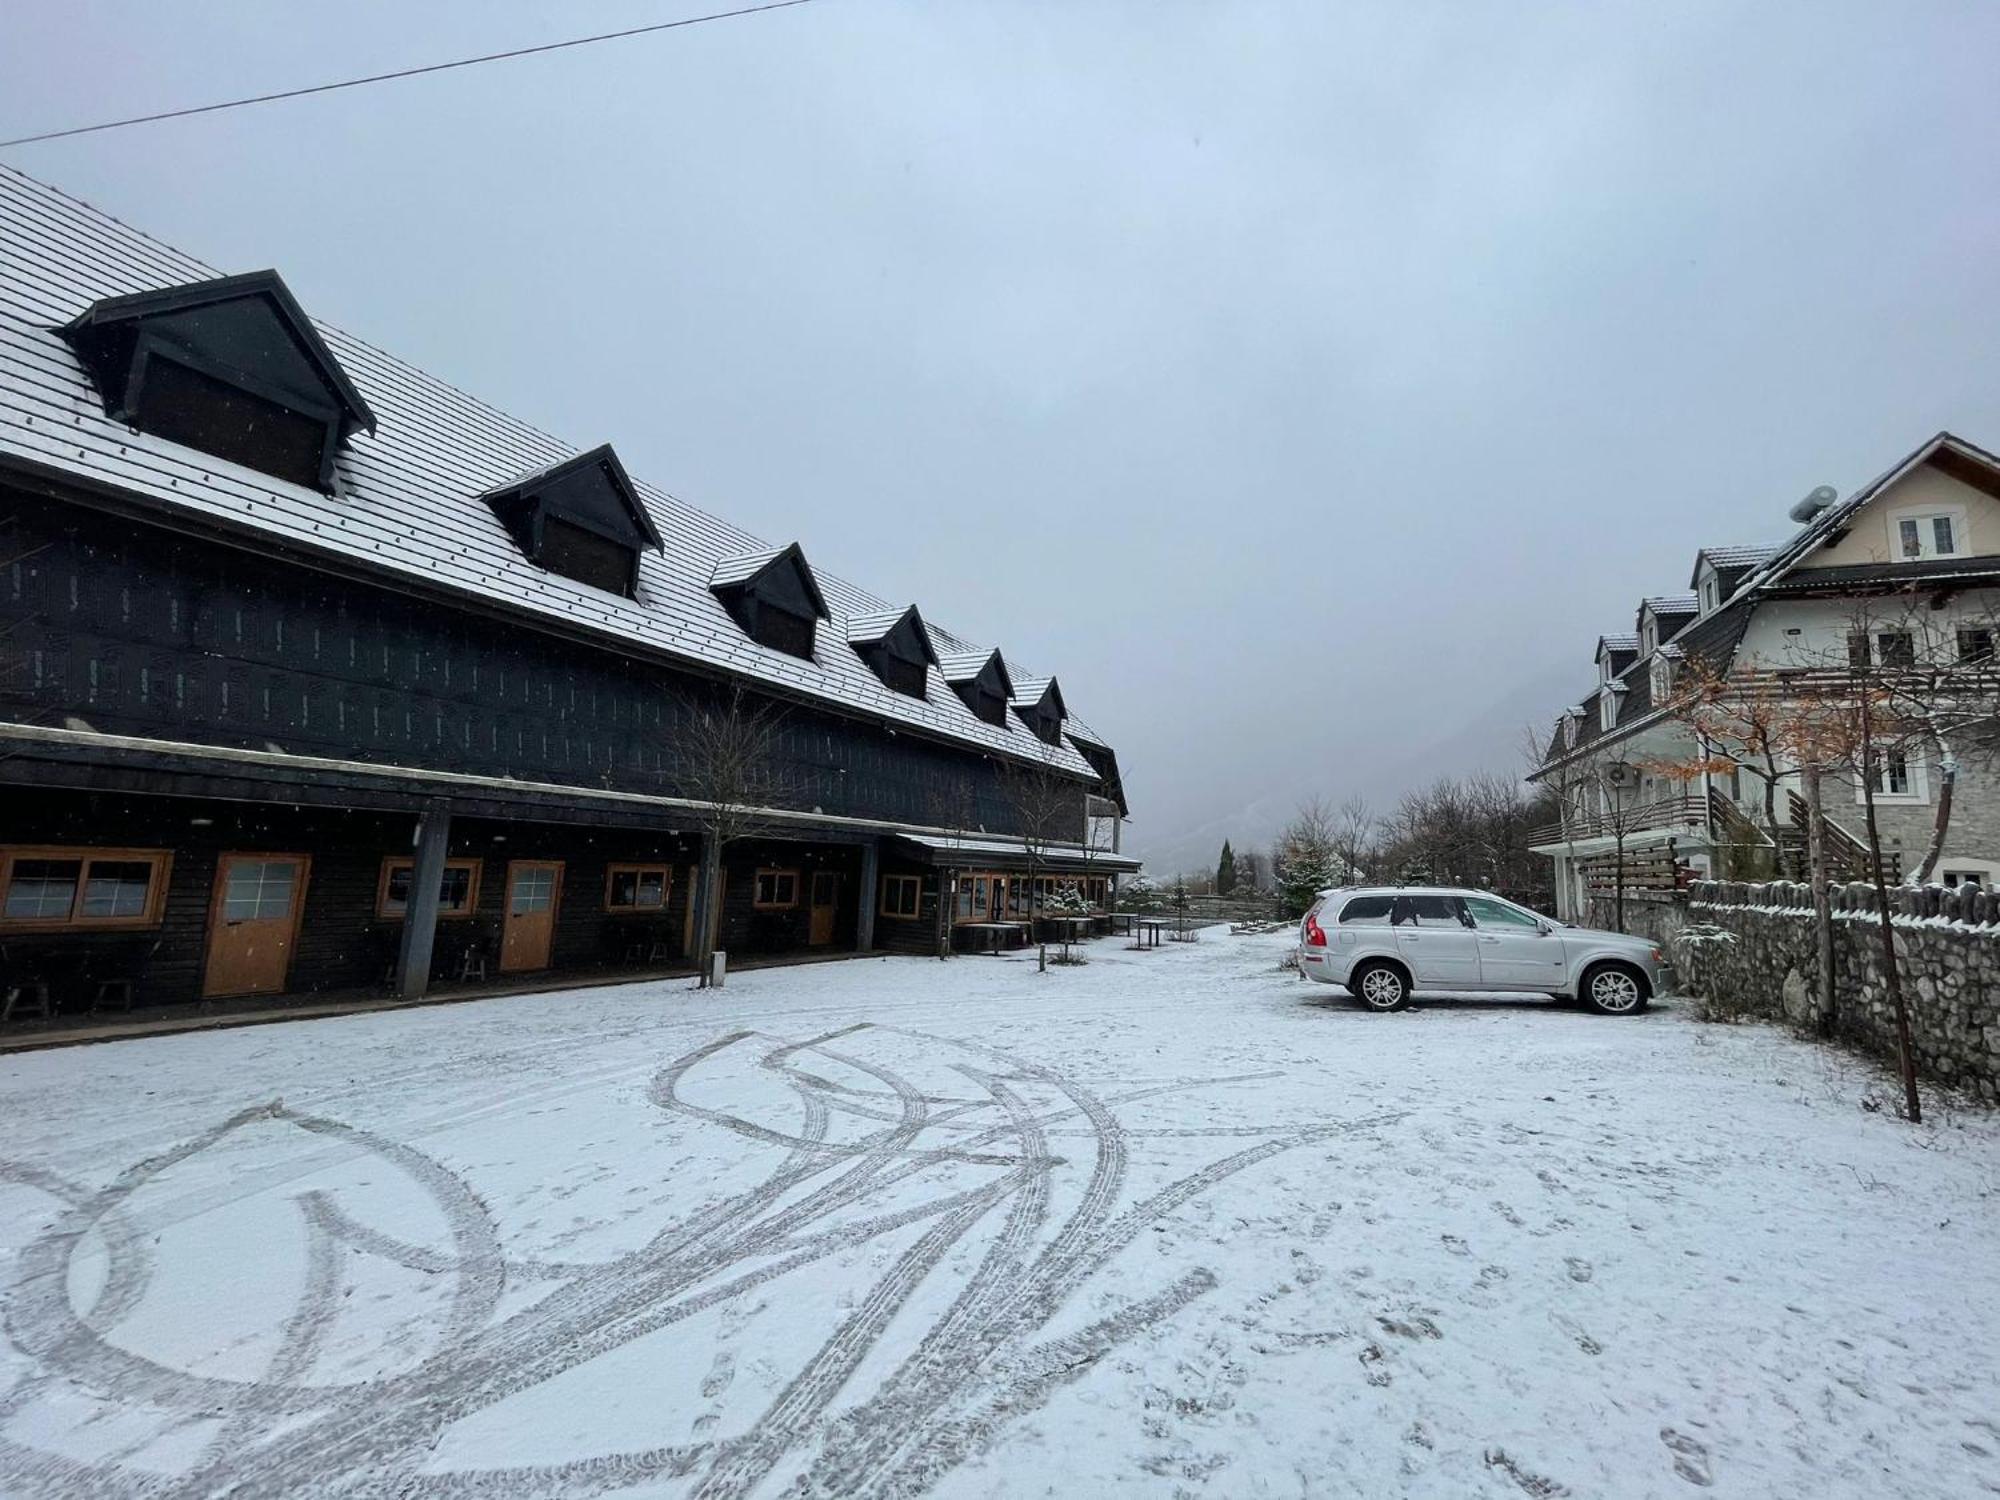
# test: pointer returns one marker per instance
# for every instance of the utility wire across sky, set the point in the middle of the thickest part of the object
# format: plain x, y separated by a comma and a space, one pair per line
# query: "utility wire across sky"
349, 83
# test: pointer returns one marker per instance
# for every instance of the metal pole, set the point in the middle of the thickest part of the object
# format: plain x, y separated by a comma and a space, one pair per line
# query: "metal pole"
413, 957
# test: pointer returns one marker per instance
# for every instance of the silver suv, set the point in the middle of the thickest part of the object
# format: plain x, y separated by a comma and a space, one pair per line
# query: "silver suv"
1385, 943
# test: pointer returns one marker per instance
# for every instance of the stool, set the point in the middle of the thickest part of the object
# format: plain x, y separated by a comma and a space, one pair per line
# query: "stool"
35, 992
108, 989
660, 952
473, 964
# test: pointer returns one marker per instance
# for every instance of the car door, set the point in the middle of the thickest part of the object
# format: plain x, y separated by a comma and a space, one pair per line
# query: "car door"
1517, 950
1441, 950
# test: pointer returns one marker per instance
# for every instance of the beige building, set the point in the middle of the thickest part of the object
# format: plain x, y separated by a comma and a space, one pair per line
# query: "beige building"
1906, 570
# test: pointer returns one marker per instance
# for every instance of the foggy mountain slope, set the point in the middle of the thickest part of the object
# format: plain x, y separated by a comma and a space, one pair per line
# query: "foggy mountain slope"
1487, 739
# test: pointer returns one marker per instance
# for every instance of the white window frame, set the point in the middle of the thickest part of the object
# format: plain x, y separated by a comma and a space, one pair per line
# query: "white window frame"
1918, 794
1608, 702
1923, 515
1709, 591
1572, 722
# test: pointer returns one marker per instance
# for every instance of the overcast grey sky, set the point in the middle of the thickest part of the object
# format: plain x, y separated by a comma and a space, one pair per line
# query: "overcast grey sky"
1306, 385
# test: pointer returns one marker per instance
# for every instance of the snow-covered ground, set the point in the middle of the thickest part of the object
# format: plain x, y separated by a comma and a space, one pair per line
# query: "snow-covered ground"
1174, 1223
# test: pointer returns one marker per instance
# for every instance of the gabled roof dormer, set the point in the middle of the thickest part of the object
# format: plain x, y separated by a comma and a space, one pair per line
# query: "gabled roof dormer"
1718, 571
1038, 703
232, 367
772, 596
1661, 616
980, 678
897, 647
580, 518
1614, 654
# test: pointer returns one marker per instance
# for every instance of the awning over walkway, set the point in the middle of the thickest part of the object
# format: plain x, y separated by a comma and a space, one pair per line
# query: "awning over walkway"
1009, 854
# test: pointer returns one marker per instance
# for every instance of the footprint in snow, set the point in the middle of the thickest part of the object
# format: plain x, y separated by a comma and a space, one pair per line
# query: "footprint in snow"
1579, 1269
1371, 1361
1455, 1245
1691, 1459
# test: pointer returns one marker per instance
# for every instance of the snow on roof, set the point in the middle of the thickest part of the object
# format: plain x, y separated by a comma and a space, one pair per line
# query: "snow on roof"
1618, 643
862, 629
744, 566
963, 666
408, 502
1739, 557
1672, 604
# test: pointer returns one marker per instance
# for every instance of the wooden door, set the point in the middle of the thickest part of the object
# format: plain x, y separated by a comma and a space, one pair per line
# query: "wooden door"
528, 923
253, 923
825, 906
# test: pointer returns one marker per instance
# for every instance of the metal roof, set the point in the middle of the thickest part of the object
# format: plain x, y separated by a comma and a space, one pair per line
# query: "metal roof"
407, 505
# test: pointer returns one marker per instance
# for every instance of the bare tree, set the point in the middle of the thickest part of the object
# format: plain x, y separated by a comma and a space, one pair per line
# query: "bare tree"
730, 766
953, 807
1352, 831
1046, 804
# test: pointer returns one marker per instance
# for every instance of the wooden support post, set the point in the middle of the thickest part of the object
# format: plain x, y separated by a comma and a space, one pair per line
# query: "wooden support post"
420, 914
871, 880
707, 887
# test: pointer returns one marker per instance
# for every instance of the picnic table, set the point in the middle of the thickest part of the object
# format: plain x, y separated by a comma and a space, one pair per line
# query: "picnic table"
989, 937
1146, 932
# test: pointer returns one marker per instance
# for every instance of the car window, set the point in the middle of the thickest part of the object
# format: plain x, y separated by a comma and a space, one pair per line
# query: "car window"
1426, 911
1487, 913
1365, 909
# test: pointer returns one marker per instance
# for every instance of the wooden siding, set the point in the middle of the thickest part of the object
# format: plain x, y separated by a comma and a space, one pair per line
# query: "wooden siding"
136, 630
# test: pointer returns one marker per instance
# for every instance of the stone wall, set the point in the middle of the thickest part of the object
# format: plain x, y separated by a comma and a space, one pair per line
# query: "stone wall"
1748, 950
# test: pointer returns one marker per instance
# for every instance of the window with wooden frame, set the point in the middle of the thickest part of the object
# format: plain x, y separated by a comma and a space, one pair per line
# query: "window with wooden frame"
95, 890
458, 889
901, 895
637, 890
776, 890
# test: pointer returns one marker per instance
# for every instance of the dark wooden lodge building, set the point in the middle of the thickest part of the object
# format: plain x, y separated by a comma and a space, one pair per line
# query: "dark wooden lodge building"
317, 673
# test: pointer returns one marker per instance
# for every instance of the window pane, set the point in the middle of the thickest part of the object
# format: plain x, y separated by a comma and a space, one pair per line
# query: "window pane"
42, 889
397, 898
534, 890
1975, 645
455, 888
1895, 649
625, 888
1366, 909
1495, 914
1912, 539
117, 888
1941, 534
258, 890
585, 556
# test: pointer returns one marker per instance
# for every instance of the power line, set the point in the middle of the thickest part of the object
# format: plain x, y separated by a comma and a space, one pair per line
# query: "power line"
349, 83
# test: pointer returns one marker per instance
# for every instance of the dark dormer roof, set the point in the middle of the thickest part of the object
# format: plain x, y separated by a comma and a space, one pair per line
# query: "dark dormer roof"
1104, 761
1039, 703
904, 627
970, 666
1730, 560
781, 574
896, 647
591, 490
982, 682
1622, 649
230, 367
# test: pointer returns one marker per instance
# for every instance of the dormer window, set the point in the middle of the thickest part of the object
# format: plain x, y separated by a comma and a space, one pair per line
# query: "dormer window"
1572, 724
1662, 684
981, 682
1608, 704
1921, 535
580, 518
1039, 705
772, 597
896, 647
232, 367
1710, 593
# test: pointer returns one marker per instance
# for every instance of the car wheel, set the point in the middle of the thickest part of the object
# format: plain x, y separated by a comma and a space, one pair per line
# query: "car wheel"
1382, 986
1614, 989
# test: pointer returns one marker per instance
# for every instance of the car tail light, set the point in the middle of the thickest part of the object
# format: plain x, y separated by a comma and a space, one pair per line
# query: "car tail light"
1315, 934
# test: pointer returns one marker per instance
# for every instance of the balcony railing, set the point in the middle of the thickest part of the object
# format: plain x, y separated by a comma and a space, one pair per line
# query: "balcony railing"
1684, 810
